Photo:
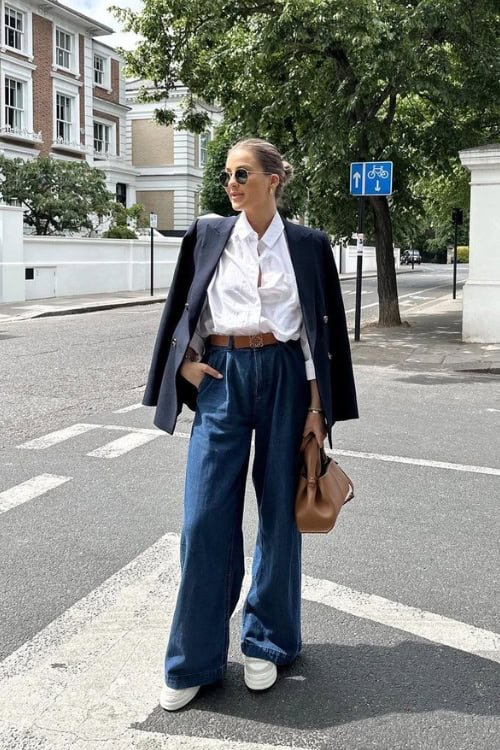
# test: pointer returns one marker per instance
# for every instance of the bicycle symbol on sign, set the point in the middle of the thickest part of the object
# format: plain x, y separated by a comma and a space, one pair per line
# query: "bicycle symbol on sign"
377, 172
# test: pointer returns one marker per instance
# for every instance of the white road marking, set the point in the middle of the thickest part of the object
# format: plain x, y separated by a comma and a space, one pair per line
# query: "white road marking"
97, 669
428, 625
396, 459
411, 294
58, 436
122, 445
128, 408
28, 490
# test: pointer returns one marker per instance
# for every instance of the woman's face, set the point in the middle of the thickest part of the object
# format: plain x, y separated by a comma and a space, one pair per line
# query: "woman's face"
254, 195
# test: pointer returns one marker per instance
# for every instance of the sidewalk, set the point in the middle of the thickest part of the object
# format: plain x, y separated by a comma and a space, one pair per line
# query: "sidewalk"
429, 339
41, 308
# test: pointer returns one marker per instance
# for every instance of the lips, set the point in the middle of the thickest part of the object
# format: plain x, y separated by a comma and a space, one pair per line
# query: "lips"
236, 195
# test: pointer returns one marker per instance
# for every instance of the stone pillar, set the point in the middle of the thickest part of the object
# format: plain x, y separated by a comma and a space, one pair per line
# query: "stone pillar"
481, 294
12, 282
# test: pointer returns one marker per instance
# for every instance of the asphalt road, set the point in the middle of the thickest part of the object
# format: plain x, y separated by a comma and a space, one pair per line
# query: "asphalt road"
400, 603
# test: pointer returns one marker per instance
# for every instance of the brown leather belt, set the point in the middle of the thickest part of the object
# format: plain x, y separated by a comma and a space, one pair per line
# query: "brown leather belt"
256, 341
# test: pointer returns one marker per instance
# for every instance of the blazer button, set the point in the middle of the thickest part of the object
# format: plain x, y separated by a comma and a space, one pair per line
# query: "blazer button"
330, 355
325, 318
174, 341
186, 306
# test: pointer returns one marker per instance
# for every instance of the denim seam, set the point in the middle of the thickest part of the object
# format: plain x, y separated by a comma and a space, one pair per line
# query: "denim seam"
226, 602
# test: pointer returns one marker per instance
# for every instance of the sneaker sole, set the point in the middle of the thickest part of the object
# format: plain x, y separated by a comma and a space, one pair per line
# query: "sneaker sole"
174, 705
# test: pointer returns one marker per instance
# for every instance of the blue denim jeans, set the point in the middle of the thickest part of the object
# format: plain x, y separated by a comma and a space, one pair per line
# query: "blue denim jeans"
265, 391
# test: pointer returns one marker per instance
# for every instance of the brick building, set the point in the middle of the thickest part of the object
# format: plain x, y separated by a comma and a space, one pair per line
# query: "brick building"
169, 162
63, 91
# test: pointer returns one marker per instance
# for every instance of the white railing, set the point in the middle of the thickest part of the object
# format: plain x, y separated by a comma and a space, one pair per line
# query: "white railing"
29, 135
63, 143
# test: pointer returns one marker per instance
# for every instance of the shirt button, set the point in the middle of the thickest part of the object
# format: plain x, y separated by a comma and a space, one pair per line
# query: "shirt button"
325, 318
330, 355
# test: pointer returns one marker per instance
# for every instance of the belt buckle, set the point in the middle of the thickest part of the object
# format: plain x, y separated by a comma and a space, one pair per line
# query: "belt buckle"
256, 340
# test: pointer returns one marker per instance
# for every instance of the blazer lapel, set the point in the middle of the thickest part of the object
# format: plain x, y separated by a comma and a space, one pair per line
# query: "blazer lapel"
303, 262
208, 251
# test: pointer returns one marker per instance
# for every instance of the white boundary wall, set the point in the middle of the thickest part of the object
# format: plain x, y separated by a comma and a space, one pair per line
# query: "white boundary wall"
70, 266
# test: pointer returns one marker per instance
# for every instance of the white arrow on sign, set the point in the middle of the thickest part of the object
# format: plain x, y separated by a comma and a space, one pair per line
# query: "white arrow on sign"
377, 186
356, 178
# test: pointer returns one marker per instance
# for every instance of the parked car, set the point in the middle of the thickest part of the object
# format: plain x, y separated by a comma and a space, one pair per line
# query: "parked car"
408, 255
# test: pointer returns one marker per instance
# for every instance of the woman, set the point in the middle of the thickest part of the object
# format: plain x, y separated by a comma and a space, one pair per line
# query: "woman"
253, 338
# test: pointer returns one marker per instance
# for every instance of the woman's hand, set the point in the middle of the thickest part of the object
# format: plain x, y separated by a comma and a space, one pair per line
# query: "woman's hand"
194, 372
315, 423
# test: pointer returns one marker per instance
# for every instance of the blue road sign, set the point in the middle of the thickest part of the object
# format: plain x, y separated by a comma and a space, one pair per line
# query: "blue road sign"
371, 178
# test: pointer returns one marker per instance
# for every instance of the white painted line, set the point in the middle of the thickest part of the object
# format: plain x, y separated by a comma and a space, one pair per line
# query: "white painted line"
28, 490
122, 445
128, 408
417, 462
428, 625
59, 436
398, 459
96, 670
411, 294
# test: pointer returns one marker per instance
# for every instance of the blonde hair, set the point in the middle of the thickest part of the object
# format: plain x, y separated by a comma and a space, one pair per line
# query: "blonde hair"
269, 159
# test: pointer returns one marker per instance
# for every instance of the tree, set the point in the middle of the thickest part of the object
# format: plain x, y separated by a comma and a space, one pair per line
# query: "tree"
122, 218
331, 82
58, 195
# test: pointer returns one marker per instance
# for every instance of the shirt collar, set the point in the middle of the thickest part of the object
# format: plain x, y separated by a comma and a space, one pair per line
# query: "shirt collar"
244, 229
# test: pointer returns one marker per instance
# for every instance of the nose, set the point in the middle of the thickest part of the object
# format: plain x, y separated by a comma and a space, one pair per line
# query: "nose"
232, 180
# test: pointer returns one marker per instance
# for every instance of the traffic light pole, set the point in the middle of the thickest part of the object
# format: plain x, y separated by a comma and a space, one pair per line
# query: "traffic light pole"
359, 267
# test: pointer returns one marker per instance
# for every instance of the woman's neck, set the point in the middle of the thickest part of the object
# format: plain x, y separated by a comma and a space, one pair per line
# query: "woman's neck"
261, 221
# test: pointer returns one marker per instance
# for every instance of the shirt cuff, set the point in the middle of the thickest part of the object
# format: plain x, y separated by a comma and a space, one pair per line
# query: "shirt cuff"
310, 370
198, 344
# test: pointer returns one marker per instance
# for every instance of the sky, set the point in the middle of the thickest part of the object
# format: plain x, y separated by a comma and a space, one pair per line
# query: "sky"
97, 9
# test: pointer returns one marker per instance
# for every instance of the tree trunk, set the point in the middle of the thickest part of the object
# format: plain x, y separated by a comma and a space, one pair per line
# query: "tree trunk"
386, 272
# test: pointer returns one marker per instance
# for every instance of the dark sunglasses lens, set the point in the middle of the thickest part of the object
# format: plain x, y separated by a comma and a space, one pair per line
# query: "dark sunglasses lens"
224, 178
241, 176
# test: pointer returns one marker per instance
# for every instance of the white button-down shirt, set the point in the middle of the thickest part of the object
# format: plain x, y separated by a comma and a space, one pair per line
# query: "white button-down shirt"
236, 305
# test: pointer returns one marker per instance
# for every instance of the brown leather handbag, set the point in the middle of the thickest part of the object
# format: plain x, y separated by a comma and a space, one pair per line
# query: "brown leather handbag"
322, 490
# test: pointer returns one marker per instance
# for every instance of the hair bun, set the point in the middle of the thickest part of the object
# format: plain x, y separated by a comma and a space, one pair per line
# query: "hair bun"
288, 171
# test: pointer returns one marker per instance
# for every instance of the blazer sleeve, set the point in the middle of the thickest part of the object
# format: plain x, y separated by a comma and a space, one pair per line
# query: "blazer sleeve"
346, 406
172, 311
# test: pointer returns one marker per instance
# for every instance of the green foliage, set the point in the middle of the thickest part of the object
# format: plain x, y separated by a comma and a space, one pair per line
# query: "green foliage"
330, 82
120, 232
59, 195
462, 254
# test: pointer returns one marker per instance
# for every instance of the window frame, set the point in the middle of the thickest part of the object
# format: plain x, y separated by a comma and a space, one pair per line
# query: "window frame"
203, 147
111, 152
7, 8
103, 82
70, 52
70, 123
22, 110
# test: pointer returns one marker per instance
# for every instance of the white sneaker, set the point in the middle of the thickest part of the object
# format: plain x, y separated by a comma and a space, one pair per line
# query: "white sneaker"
259, 673
173, 698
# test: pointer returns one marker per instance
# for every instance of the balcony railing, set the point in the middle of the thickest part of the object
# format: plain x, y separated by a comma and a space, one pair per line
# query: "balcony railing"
22, 133
70, 145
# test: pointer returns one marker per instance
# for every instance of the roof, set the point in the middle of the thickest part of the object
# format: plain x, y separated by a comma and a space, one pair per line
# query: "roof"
96, 27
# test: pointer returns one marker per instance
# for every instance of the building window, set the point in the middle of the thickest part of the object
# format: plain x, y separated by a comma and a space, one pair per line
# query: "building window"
102, 138
204, 141
99, 69
14, 28
121, 193
64, 49
14, 104
63, 118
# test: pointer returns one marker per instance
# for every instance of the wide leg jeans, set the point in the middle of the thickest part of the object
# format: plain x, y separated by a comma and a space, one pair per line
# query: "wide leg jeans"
264, 392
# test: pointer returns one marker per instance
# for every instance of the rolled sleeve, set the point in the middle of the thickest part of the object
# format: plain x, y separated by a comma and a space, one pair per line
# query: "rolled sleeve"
198, 344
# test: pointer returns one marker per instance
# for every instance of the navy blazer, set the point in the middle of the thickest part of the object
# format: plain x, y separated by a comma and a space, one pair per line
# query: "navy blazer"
322, 309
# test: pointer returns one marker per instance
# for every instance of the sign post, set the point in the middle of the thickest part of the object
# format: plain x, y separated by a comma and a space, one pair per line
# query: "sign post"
367, 178
153, 223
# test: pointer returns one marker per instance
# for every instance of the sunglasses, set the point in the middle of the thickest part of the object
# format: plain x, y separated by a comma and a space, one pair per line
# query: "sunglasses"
240, 174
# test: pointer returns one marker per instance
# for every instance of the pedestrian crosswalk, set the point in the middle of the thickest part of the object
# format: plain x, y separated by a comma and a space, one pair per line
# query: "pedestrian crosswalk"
91, 678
